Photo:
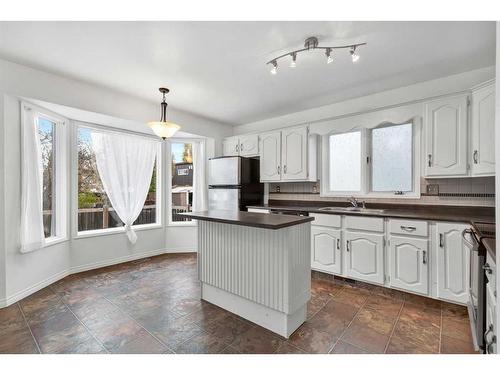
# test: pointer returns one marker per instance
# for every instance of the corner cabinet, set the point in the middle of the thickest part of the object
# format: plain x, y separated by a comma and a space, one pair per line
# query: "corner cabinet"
245, 145
452, 262
483, 131
288, 155
446, 136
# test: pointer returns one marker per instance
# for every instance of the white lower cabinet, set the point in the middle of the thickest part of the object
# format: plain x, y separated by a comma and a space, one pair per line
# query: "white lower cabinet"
326, 253
409, 264
364, 254
452, 262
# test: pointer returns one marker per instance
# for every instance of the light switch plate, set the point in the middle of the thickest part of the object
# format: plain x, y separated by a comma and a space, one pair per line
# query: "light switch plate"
433, 189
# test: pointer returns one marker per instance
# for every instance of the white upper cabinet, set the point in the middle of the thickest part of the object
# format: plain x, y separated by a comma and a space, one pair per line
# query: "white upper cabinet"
270, 156
230, 146
365, 256
326, 253
294, 153
483, 131
288, 155
409, 264
446, 137
249, 145
452, 262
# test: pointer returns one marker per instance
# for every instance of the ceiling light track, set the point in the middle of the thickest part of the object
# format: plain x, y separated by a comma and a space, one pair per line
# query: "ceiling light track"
310, 44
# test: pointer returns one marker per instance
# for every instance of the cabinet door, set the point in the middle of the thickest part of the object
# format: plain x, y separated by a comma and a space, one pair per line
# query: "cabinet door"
249, 145
365, 256
483, 132
230, 146
326, 249
294, 154
409, 264
446, 137
270, 156
453, 262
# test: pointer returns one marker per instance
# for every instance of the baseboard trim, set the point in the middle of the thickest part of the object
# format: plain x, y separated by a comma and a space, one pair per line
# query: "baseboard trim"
9, 300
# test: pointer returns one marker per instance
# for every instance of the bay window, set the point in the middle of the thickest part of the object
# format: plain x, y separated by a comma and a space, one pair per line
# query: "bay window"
51, 156
95, 211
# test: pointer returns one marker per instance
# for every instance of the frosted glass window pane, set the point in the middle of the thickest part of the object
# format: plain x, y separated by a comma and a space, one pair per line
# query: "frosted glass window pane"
345, 162
392, 155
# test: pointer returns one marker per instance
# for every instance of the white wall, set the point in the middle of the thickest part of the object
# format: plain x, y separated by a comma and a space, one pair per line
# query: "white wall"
23, 274
320, 118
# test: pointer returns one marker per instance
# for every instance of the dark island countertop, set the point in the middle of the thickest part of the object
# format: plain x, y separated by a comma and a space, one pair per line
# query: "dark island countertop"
461, 214
249, 219
490, 245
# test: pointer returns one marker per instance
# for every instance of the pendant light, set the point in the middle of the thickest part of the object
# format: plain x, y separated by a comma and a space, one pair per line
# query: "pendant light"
163, 128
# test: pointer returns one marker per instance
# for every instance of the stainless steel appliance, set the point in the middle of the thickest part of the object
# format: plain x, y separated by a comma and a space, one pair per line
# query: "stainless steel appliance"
234, 183
477, 281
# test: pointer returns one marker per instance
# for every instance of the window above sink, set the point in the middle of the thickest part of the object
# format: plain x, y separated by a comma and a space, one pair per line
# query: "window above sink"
382, 162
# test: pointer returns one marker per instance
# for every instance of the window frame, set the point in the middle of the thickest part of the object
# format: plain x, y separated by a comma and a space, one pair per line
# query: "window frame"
366, 168
60, 173
159, 184
171, 223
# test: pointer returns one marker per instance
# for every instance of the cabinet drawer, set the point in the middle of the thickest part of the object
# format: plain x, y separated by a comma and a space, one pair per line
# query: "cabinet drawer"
326, 220
413, 227
372, 224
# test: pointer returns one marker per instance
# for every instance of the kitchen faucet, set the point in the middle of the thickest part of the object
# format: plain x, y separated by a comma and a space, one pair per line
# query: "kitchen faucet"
353, 201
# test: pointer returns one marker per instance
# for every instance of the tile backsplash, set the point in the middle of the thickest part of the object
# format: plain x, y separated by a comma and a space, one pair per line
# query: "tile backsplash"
478, 191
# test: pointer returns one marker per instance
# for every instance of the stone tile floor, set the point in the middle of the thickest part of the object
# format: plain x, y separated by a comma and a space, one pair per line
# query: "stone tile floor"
153, 306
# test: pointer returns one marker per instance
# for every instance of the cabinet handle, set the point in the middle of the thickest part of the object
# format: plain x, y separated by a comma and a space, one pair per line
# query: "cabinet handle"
441, 240
347, 246
241, 147
474, 156
424, 257
338, 243
409, 229
237, 148
429, 162
279, 169
284, 169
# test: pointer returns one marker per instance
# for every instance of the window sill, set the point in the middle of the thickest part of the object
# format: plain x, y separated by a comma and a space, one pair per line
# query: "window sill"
117, 230
183, 224
54, 241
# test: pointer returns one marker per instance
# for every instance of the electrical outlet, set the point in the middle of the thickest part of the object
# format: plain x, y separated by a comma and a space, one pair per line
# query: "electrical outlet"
277, 189
433, 189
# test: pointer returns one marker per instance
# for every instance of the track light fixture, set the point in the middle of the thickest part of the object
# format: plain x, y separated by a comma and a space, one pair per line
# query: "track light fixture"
274, 68
329, 58
354, 55
311, 44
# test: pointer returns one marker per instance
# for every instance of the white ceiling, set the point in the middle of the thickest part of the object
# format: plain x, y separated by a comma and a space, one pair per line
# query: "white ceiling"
217, 69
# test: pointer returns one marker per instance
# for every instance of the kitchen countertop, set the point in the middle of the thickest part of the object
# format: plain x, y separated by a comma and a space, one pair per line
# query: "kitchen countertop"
249, 219
422, 212
490, 245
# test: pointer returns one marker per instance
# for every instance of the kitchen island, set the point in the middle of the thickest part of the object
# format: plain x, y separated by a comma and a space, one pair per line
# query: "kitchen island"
255, 265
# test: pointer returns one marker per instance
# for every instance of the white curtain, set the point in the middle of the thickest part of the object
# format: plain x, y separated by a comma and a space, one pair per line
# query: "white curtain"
125, 164
199, 179
32, 234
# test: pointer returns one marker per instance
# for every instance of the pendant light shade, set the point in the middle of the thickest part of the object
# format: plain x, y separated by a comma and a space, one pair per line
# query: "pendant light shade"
163, 128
